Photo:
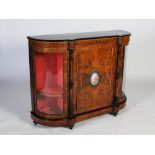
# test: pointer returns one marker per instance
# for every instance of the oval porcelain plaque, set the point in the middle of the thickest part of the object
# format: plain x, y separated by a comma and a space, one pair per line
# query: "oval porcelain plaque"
94, 78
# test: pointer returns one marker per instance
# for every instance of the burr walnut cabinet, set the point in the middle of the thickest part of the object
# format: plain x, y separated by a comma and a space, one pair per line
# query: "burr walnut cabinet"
76, 76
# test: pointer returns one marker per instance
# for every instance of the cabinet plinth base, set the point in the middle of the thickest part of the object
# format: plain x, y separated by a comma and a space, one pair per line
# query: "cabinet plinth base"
71, 122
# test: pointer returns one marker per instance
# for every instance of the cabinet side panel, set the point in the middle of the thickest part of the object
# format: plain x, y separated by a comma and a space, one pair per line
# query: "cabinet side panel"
124, 43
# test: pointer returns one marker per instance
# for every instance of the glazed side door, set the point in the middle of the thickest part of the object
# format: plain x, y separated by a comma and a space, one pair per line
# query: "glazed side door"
94, 71
50, 64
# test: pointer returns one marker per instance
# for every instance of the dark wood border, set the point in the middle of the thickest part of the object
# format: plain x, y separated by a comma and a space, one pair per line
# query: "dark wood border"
80, 36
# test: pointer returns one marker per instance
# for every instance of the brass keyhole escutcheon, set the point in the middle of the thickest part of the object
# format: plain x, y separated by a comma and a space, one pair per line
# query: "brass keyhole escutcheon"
94, 78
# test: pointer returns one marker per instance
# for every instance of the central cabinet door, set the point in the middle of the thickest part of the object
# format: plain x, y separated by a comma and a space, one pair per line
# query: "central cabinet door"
94, 71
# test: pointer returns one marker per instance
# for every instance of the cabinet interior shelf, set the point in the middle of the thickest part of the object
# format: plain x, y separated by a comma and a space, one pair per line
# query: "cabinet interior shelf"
51, 95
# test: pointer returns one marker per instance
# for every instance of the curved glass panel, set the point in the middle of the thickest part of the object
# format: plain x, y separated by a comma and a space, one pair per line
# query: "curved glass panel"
124, 71
49, 82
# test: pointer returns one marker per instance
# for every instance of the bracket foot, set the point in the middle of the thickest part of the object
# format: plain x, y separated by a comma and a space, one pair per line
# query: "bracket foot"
71, 124
114, 113
34, 123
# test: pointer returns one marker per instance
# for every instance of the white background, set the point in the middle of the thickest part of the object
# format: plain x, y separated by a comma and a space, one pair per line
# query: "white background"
144, 93
136, 118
